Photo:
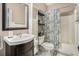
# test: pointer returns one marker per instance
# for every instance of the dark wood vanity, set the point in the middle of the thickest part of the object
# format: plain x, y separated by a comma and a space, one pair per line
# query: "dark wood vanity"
26, 49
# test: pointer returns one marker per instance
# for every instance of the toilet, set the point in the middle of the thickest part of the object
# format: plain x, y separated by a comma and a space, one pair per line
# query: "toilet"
46, 45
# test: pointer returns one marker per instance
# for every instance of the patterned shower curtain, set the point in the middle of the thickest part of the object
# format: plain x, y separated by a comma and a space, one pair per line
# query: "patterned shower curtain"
52, 26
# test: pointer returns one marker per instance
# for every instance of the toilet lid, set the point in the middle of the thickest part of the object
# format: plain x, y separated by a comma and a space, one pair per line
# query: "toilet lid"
47, 45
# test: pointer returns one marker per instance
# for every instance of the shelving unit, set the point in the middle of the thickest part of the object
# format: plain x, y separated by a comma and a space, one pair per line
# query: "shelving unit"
40, 24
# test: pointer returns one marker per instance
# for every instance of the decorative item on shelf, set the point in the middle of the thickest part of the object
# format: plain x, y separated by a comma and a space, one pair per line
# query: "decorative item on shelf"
40, 33
40, 22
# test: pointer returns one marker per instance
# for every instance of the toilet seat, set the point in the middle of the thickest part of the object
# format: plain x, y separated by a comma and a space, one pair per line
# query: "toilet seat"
47, 46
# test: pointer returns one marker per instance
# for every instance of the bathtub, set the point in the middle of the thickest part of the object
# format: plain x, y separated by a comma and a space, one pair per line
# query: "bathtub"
68, 49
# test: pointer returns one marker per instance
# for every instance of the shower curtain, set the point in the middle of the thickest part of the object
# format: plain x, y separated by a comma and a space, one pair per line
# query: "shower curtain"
52, 27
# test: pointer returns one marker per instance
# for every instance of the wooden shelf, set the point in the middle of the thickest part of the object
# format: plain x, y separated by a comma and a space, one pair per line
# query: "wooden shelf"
41, 24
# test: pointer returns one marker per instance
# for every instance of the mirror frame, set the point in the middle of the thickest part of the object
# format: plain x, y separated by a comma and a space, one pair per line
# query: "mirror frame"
4, 19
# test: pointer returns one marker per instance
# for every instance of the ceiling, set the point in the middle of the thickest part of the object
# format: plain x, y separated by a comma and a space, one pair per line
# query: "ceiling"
65, 8
59, 5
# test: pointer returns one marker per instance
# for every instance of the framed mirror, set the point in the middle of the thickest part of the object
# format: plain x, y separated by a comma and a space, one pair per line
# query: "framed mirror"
15, 16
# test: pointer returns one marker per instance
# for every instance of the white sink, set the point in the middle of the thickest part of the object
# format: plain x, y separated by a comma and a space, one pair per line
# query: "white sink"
16, 40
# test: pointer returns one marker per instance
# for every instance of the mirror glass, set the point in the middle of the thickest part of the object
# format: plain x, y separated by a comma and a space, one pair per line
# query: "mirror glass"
16, 15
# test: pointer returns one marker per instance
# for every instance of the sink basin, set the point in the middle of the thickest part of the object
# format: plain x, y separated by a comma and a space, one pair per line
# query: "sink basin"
16, 40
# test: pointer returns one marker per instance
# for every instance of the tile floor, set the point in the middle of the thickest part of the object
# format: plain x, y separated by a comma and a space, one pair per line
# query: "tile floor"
65, 50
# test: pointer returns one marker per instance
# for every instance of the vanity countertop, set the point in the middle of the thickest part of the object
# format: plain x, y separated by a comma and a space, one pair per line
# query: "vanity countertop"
16, 40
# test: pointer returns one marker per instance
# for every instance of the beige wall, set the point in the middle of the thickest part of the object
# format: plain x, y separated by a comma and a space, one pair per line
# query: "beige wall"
67, 29
35, 22
77, 26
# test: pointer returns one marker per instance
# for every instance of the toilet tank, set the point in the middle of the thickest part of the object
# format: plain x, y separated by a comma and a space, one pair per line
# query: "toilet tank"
41, 39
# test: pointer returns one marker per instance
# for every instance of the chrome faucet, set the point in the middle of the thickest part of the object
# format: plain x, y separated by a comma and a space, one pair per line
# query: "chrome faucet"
19, 34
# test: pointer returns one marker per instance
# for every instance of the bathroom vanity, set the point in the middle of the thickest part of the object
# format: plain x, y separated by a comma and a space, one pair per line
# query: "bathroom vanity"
26, 49
19, 46
15, 16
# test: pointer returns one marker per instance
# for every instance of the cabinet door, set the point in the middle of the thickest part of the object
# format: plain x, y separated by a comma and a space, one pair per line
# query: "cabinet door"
25, 49
30, 52
10, 50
